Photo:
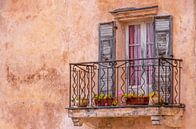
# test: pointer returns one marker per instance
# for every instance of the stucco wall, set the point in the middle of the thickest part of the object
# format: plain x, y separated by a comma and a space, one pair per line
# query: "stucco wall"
38, 38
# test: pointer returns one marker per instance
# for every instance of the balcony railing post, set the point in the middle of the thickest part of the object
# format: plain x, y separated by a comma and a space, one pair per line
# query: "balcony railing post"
166, 84
107, 77
159, 63
88, 83
79, 86
179, 81
113, 78
116, 79
172, 84
91, 90
70, 85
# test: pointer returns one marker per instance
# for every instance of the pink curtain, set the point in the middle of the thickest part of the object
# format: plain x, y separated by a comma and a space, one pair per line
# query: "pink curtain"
135, 53
150, 51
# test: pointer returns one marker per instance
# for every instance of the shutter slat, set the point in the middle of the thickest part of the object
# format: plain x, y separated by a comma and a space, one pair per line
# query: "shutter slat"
162, 24
106, 30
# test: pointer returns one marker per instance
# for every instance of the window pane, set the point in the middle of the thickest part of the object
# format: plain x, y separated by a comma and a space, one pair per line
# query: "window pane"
135, 53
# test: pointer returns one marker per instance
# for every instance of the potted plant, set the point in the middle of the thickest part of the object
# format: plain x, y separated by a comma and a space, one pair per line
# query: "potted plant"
83, 102
108, 100
133, 99
105, 100
98, 99
154, 98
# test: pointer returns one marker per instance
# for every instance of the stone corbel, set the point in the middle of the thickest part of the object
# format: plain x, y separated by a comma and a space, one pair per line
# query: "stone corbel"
174, 121
77, 121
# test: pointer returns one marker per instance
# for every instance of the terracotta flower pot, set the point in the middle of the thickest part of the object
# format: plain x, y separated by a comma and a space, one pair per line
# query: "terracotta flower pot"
155, 100
104, 102
137, 100
83, 103
109, 101
99, 102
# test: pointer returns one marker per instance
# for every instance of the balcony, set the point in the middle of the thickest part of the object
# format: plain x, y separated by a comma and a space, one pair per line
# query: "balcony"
126, 88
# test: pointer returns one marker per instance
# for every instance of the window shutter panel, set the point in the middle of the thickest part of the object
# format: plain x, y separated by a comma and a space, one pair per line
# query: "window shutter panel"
107, 41
107, 51
163, 48
163, 36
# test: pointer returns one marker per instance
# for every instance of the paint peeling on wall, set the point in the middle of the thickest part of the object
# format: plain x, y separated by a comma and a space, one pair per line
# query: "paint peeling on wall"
58, 32
44, 73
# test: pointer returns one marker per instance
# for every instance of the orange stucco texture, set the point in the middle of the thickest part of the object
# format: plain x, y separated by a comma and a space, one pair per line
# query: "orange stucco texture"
39, 38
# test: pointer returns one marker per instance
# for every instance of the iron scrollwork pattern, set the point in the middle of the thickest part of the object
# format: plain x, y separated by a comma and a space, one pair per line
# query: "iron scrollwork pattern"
138, 77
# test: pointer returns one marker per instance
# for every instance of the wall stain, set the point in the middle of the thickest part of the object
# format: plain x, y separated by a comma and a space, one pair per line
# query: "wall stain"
44, 73
28, 116
2, 3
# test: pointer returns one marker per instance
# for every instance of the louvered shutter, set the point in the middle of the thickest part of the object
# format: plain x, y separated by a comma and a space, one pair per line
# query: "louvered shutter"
107, 41
107, 51
163, 36
163, 48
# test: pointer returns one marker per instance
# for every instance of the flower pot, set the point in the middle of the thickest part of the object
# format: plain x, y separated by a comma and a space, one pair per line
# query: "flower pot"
109, 101
137, 100
99, 102
155, 100
104, 102
83, 103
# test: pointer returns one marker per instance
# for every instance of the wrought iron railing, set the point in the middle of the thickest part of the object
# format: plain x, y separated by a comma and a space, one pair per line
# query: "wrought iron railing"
122, 83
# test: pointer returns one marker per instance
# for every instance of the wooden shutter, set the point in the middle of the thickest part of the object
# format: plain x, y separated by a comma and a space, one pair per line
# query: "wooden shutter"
163, 36
163, 48
107, 41
107, 46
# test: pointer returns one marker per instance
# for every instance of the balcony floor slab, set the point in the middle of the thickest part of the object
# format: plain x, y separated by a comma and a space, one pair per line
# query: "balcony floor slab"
159, 115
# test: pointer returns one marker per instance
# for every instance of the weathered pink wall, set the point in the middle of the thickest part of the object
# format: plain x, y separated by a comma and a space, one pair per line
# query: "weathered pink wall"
38, 38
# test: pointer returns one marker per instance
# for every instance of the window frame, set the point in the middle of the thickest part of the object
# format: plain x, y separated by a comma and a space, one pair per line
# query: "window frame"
143, 25
127, 35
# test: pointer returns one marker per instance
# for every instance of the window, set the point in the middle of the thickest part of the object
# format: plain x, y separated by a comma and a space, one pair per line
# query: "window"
140, 45
148, 40
145, 40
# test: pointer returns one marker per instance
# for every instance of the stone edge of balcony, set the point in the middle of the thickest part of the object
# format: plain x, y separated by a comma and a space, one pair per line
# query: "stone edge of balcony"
168, 115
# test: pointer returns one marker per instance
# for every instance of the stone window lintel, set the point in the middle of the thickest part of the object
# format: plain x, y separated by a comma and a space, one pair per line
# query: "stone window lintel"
126, 14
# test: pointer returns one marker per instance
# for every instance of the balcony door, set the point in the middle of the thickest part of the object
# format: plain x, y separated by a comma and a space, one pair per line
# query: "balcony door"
146, 41
140, 44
